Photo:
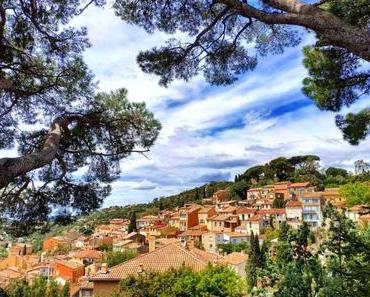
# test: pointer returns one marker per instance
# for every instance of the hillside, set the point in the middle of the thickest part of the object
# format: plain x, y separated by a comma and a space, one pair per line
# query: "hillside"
295, 169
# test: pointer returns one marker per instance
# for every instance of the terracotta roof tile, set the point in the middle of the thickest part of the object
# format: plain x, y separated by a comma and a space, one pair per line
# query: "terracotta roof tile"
206, 209
91, 254
271, 211
255, 218
294, 204
312, 194
190, 232
245, 210
220, 217
229, 209
235, 258
173, 255
254, 189
299, 185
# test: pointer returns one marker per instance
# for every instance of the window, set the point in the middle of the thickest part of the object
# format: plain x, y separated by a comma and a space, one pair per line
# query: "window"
86, 293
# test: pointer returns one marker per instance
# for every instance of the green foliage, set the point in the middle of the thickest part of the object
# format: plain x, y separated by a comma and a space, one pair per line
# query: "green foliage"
278, 202
216, 281
220, 46
356, 193
256, 260
271, 233
253, 173
338, 80
194, 195
45, 83
3, 252
86, 230
228, 248
115, 258
334, 171
334, 265
106, 247
355, 126
349, 261
132, 226
239, 189
39, 287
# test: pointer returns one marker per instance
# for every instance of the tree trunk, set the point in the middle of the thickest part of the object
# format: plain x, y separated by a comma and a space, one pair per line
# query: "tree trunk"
331, 29
11, 168
334, 31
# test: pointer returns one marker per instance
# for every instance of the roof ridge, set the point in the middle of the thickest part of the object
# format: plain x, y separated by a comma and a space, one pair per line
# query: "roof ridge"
142, 255
192, 255
183, 249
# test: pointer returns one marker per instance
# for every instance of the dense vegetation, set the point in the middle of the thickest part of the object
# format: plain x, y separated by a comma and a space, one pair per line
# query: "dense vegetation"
217, 281
115, 258
335, 262
53, 115
299, 169
40, 287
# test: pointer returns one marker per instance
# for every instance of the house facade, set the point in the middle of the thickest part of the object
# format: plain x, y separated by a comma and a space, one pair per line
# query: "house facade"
312, 204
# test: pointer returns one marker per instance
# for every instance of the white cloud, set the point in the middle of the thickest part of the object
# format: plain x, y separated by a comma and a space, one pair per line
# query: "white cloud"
190, 149
211, 132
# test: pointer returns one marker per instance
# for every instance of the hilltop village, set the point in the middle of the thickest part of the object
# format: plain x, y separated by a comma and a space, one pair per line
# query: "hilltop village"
191, 236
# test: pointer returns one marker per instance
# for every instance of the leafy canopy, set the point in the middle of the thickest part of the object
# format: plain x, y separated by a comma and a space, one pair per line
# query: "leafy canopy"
356, 193
70, 139
217, 281
224, 39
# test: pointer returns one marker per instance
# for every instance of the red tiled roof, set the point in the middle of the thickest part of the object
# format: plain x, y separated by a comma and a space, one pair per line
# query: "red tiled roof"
190, 232
245, 210
206, 209
235, 258
220, 217
229, 209
312, 194
294, 204
271, 211
91, 254
255, 218
254, 189
299, 185
365, 218
173, 255
128, 236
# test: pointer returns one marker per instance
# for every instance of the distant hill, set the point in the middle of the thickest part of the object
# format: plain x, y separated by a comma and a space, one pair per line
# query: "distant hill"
295, 169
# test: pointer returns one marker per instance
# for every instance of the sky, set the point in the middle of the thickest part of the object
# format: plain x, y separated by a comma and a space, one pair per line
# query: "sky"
210, 133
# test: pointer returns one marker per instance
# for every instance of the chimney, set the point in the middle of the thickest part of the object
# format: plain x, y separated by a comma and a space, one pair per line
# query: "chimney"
87, 271
151, 241
104, 268
141, 268
190, 244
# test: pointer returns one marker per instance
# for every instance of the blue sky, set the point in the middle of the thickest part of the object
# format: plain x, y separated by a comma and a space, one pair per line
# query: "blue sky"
210, 133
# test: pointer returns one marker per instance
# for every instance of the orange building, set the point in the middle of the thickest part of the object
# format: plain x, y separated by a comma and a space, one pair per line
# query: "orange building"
69, 271
54, 243
282, 188
221, 196
188, 217
96, 242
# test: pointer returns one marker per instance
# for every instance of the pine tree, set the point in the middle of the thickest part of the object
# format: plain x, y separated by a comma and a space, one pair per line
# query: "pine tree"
24, 250
132, 225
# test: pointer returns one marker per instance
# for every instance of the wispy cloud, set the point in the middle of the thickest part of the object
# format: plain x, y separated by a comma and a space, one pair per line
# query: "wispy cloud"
210, 133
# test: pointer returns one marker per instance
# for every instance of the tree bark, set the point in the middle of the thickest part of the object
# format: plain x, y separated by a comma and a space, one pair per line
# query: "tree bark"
11, 168
330, 28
